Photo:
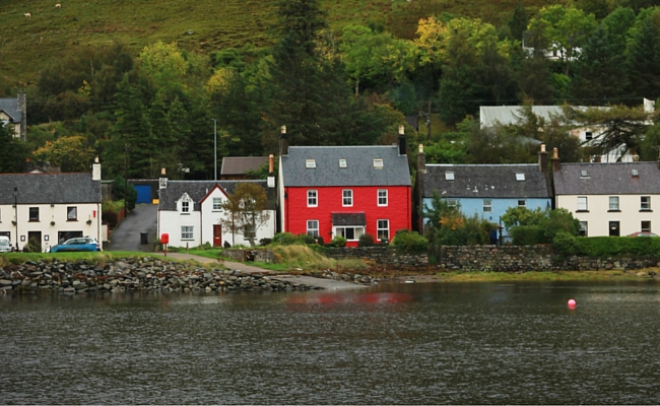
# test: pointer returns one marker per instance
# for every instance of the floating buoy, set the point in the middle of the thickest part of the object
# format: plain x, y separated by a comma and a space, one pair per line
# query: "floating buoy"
571, 303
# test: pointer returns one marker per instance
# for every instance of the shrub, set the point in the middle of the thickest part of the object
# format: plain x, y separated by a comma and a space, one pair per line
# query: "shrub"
285, 239
265, 241
338, 241
110, 218
306, 239
366, 240
319, 240
410, 242
564, 243
528, 235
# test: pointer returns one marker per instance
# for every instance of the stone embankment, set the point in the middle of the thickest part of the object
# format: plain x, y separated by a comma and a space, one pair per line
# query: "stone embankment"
132, 275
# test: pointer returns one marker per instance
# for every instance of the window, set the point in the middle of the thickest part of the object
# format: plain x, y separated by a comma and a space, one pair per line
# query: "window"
351, 233
313, 228
645, 203
34, 214
248, 231
347, 197
342, 163
452, 202
383, 229
378, 163
312, 198
588, 135
614, 203
584, 229
522, 203
186, 233
488, 206
614, 228
635, 172
584, 174
217, 204
310, 163
382, 197
582, 204
520, 177
185, 206
449, 175
646, 226
72, 213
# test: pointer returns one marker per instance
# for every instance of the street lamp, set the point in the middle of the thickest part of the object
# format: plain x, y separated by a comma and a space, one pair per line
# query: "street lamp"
16, 213
215, 150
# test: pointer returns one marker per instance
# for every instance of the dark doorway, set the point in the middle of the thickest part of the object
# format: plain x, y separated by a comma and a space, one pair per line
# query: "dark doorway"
217, 235
614, 229
34, 241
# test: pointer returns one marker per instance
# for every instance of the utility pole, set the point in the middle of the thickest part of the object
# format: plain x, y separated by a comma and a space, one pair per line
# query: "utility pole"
215, 150
16, 214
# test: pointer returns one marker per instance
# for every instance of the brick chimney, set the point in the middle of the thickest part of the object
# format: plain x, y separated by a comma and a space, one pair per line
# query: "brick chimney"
284, 142
543, 159
271, 174
556, 165
402, 141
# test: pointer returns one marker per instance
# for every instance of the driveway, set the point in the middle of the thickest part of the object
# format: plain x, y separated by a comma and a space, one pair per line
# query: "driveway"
126, 237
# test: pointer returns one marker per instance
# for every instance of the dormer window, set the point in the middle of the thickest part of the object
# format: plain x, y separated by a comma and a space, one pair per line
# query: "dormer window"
342, 163
449, 175
378, 163
185, 207
310, 163
583, 173
635, 173
185, 204
520, 177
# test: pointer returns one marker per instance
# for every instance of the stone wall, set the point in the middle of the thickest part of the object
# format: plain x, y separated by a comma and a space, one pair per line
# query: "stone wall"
257, 255
381, 255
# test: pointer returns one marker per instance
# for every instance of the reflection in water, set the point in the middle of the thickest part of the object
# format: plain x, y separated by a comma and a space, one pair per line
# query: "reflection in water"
411, 343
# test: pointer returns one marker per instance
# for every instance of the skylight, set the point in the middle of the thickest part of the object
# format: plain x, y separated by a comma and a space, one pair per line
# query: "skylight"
635, 172
310, 163
520, 176
342, 163
449, 175
583, 173
378, 163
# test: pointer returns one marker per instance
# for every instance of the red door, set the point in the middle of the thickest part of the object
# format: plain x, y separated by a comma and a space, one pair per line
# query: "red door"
217, 235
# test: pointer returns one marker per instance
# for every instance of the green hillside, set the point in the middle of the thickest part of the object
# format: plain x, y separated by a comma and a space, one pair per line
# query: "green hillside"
27, 44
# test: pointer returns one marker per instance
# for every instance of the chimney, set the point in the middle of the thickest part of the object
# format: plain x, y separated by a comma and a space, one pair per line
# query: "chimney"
421, 160
22, 106
284, 142
556, 165
543, 159
271, 175
162, 182
96, 170
402, 141
649, 106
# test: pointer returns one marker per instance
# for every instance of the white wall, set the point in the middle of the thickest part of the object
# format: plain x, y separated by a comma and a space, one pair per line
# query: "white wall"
47, 214
598, 216
171, 222
17, 126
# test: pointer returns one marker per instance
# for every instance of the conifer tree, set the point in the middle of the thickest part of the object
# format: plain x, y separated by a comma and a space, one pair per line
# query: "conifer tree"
643, 60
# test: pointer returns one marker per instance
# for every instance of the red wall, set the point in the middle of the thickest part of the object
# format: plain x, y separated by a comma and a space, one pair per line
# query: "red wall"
365, 199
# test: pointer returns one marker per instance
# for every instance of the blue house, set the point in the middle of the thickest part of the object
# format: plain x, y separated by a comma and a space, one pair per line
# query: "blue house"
485, 190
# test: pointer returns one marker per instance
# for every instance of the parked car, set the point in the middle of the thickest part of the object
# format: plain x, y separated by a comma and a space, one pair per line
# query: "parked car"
5, 244
77, 244
643, 234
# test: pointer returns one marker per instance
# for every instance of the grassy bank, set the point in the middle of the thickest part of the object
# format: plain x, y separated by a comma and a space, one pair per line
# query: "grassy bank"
98, 257
540, 276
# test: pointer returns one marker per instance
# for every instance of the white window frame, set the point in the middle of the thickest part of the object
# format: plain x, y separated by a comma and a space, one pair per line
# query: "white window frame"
185, 207
187, 233
449, 175
33, 218
313, 228
641, 226
249, 231
520, 176
340, 231
522, 203
452, 202
488, 205
69, 211
378, 163
582, 203
614, 203
645, 205
217, 203
342, 163
382, 197
383, 227
345, 198
312, 198
310, 163
584, 229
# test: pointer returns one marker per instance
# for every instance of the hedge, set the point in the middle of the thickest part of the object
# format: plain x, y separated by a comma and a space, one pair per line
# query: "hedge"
607, 246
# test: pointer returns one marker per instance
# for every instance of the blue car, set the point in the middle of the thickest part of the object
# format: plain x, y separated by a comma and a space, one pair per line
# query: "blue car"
77, 244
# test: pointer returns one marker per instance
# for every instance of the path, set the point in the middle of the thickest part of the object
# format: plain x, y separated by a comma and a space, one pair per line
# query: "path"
126, 236
327, 284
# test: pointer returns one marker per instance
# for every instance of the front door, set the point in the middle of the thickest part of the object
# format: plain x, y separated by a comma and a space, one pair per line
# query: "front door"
614, 229
34, 241
217, 235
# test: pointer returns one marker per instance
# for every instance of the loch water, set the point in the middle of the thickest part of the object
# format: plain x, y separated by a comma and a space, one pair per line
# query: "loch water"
424, 343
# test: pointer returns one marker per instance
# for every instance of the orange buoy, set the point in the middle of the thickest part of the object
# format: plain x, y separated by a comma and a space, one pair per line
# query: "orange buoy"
571, 303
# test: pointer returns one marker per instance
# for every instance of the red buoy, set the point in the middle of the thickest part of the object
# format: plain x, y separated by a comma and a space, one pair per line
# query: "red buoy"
571, 303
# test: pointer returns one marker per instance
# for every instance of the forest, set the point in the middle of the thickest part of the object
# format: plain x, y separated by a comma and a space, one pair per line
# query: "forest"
352, 86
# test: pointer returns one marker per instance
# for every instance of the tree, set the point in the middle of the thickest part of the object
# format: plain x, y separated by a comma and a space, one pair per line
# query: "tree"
71, 154
519, 21
122, 190
643, 57
248, 210
14, 152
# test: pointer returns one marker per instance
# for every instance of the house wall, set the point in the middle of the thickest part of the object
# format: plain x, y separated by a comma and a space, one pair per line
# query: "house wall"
365, 199
48, 213
598, 216
17, 126
171, 221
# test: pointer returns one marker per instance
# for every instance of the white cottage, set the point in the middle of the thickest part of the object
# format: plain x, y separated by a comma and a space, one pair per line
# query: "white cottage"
191, 213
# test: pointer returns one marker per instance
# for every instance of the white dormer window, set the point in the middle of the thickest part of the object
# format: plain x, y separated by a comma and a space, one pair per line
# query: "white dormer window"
378, 163
185, 204
583, 173
185, 207
520, 177
342, 163
310, 163
449, 175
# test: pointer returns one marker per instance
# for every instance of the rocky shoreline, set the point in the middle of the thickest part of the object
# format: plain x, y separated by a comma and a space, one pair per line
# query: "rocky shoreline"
132, 275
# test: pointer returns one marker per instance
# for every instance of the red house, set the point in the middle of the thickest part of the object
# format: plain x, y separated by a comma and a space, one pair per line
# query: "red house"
345, 191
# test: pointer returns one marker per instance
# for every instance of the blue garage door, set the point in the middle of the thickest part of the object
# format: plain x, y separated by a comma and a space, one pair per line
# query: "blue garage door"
143, 194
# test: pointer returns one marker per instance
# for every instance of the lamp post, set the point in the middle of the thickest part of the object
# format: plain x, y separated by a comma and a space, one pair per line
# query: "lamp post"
16, 214
215, 149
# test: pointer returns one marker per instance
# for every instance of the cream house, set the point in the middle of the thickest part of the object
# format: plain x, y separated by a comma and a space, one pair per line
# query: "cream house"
47, 209
616, 199
13, 112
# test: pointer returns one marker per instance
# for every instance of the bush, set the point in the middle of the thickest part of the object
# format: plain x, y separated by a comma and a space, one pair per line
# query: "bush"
319, 240
265, 241
285, 239
564, 243
366, 240
306, 239
603, 247
528, 235
410, 242
338, 241
111, 218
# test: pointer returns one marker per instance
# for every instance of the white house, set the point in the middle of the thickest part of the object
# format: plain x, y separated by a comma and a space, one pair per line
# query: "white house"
190, 212
616, 199
13, 112
47, 209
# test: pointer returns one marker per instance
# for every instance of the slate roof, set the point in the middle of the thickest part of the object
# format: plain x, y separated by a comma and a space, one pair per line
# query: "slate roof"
10, 106
486, 181
50, 188
197, 189
359, 169
348, 219
239, 165
607, 178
